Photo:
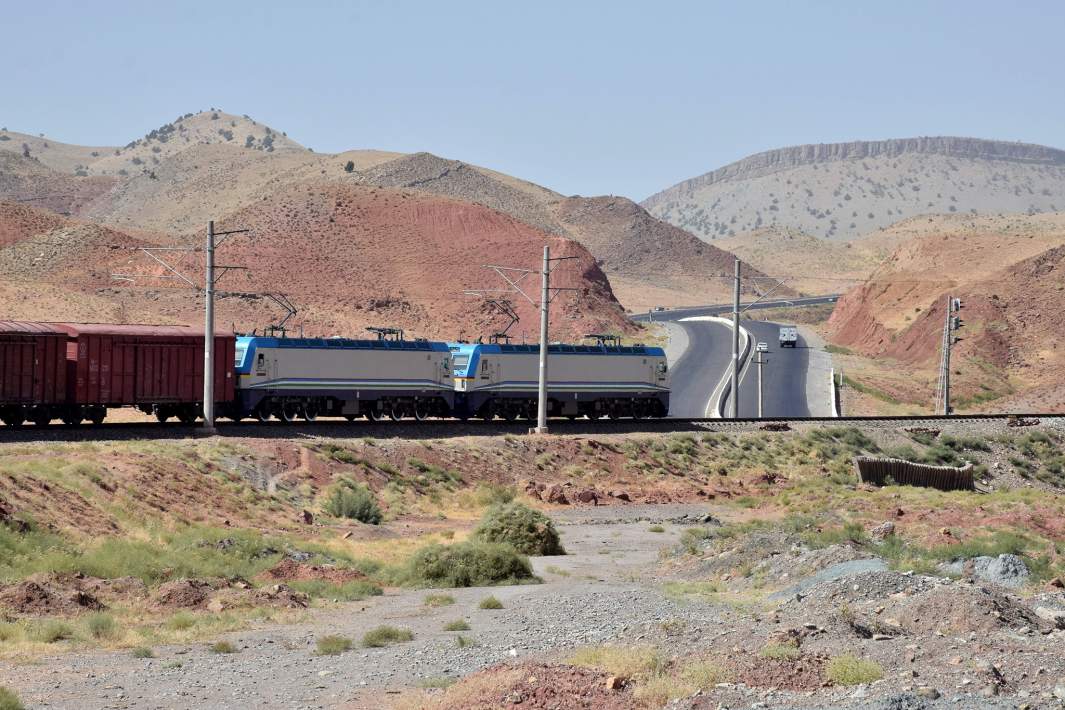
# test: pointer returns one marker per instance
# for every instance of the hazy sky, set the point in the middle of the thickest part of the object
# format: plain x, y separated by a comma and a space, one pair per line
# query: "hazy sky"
583, 97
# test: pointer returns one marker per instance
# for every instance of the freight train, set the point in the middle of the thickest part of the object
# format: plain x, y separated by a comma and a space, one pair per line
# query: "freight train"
76, 372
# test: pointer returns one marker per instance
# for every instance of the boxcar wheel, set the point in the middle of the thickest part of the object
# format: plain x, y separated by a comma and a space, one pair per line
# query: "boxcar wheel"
97, 416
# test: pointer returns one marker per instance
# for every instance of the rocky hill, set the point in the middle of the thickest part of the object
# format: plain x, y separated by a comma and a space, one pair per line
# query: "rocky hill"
649, 262
842, 190
210, 164
1005, 270
348, 257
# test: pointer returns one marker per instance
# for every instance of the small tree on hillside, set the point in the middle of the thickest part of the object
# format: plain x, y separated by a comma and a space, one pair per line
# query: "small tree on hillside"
350, 166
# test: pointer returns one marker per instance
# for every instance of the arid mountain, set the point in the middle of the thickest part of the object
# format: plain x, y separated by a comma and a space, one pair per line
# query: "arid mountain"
648, 261
348, 256
204, 166
809, 264
27, 181
843, 190
1006, 270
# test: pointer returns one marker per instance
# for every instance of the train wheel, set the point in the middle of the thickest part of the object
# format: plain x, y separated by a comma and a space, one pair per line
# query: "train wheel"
187, 416
350, 417
421, 411
289, 412
41, 417
396, 412
72, 419
310, 412
262, 413
97, 415
592, 414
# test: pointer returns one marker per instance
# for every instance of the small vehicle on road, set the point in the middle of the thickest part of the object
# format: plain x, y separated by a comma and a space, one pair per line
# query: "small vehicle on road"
789, 336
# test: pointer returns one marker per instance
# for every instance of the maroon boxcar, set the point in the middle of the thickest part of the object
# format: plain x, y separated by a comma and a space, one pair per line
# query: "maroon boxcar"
33, 371
156, 368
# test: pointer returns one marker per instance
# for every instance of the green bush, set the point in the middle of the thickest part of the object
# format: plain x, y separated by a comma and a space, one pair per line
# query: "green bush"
101, 626
849, 670
10, 701
222, 647
457, 625
385, 635
143, 652
528, 531
353, 500
490, 603
333, 645
493, 494
467, 564
50, 631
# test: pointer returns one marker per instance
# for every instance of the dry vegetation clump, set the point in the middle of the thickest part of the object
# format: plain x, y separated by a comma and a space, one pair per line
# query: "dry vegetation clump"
528, 531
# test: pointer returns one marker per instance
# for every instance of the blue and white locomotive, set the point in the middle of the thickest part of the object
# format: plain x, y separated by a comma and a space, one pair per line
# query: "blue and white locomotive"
388, 376
304, 378
605, 379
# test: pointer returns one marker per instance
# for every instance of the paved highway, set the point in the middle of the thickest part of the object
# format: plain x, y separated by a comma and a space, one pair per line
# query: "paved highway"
696, 375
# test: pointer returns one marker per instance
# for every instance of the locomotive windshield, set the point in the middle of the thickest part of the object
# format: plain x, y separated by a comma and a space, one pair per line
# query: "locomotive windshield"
461, 360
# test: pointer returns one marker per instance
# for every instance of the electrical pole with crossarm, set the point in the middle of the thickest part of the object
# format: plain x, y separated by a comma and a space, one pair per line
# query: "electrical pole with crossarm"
513, 277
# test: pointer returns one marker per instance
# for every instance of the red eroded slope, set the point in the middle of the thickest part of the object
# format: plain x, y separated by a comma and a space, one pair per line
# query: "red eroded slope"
353, 256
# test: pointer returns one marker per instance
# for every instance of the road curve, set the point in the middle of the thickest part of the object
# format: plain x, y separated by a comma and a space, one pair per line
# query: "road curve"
708, 356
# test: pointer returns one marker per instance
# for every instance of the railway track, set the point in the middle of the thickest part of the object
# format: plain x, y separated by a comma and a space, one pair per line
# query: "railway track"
436, 428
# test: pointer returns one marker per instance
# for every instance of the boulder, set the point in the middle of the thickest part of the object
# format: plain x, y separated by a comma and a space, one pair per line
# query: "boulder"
555, 494
587, 495
883, 531
620, 495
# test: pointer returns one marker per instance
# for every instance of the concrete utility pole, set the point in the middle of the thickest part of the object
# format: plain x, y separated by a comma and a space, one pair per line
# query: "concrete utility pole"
208, 336
514, 277
759, 362
736, 344
943, 391
545, 305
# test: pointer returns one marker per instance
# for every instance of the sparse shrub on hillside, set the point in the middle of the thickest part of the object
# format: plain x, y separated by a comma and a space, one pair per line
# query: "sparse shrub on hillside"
10, 701
493, 493
142, 652
353, 500
526, 530
467, 564
349, 166
214, 116
249, 141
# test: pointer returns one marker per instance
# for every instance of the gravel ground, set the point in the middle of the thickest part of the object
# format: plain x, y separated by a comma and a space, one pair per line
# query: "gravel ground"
607, 589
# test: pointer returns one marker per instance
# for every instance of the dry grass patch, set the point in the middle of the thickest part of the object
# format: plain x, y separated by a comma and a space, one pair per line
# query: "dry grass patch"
332, 645
10, 701
385, 636
851, 670
628, 661
435, 600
